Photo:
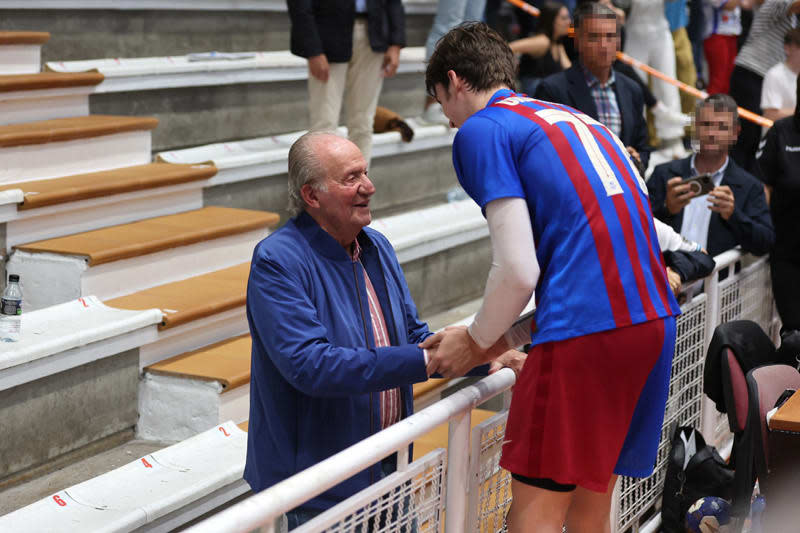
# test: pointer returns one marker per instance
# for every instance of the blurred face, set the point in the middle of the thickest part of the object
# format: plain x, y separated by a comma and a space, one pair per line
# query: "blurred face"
716, 130
792, 54
342, 207
597, 42
561, 24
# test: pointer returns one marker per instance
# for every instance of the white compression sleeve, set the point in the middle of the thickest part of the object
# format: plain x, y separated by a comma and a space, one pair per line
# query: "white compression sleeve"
514, 272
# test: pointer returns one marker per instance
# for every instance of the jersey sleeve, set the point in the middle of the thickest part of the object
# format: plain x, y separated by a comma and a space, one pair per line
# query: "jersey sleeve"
485, 162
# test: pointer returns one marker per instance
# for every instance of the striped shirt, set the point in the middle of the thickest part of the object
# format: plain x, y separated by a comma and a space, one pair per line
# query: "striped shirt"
606, 101
764, 46
390, 399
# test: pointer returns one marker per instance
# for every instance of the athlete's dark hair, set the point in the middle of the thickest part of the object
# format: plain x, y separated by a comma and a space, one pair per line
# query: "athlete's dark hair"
477, 53
588, 10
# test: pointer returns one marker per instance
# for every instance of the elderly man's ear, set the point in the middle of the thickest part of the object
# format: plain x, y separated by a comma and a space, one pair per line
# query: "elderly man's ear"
309, 195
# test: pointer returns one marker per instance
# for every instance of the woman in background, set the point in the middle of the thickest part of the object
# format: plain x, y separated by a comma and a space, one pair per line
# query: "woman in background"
543, 53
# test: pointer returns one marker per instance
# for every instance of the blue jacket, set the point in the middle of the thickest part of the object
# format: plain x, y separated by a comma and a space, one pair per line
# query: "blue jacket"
315, 371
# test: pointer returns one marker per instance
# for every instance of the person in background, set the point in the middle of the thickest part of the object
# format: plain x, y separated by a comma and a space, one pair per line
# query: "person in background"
723, 27
761, 51
677, 16
449, 13
735, 212
779, 169
778, 96
544, 54
648, 39
592, 86
351, 46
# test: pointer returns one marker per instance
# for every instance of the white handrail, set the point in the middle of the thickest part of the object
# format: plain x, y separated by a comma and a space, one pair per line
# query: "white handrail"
263, 508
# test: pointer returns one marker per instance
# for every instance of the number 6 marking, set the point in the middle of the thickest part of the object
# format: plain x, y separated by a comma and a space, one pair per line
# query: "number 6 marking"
59, 501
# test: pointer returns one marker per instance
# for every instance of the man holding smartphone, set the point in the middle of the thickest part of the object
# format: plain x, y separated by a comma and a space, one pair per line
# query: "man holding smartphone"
734, 212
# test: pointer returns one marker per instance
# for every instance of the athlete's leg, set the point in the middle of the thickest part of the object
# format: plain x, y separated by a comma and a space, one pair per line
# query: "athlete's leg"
590, 511
537, 509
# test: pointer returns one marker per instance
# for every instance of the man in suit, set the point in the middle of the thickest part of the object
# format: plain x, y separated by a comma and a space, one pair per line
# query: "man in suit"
351, 46
735, 212
591, 85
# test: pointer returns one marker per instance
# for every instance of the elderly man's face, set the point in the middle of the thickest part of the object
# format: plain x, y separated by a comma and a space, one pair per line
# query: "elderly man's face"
716, 130
343, 206
598, 39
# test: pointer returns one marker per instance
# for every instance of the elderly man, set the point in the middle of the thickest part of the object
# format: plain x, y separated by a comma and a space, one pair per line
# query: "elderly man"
593, 87
735, 212
334, 328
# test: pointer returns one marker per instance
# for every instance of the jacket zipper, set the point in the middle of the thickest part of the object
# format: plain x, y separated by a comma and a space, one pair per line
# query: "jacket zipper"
366, 343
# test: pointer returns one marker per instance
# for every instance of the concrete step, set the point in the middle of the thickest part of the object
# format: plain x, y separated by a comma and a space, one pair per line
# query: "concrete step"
59, 147
158, 492
45, 96
72, 204
75, 373
123, 259
252, 172
21, 51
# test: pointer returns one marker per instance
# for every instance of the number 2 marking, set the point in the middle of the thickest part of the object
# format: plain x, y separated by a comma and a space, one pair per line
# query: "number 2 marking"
222, 429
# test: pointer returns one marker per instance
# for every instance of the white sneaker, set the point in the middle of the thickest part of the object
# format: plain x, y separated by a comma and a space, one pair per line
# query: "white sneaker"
433, 114
669, 117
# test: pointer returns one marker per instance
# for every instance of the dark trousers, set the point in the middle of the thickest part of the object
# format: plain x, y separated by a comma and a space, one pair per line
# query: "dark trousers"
746, 90
786, 289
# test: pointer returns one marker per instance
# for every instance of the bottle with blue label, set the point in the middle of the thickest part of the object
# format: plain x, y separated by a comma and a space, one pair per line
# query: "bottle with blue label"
11, 311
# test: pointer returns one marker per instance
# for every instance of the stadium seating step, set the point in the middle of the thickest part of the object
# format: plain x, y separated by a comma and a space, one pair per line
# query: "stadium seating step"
21, 51
183, 395
158, 492
198, 311
45, 96
65, 146
62, 206
123, 259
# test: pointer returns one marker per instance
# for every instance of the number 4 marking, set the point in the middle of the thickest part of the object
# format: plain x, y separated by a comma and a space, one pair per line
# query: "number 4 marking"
146, 464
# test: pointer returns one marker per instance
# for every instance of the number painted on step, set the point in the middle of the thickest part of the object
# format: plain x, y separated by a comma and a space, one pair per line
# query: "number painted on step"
59, 501
222, 429
146, 464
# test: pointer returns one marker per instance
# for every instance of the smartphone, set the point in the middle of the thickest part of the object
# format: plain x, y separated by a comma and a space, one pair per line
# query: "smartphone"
700, 185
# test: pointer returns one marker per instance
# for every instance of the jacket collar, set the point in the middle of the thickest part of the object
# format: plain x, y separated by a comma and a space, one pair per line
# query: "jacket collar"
322, 241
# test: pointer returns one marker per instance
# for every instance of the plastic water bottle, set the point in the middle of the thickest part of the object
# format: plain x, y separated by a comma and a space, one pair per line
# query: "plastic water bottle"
11, 311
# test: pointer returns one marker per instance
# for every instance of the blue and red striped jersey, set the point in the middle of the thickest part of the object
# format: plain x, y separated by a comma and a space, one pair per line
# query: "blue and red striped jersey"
596, 244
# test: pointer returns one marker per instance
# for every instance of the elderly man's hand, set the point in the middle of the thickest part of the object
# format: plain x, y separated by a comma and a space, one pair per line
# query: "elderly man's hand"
679, 195
721, 201
513, 359
455, 352
391, 59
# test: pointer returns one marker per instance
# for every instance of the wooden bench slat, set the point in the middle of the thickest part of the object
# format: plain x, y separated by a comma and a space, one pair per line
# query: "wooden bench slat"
48, 80
24, 37
42, 193
193, 298
155, 234
69, 129
227, 361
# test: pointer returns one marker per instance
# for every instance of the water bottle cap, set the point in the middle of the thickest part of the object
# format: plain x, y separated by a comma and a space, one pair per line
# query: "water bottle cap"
13, 277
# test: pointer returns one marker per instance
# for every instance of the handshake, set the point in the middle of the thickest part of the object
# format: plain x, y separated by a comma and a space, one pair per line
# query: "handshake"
452, 352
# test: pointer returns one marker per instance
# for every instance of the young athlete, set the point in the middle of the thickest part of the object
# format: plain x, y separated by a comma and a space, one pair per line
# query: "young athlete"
568, 215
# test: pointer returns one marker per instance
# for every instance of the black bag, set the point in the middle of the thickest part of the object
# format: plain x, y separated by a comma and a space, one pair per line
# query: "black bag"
706, 474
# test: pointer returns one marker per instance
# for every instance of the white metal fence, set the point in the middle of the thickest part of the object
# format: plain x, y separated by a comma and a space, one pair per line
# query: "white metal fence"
466, 478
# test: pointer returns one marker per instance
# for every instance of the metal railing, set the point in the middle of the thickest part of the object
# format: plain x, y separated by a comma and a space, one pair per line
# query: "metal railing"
466, 479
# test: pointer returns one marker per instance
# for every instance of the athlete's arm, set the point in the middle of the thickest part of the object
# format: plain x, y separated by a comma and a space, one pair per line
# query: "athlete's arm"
514, 272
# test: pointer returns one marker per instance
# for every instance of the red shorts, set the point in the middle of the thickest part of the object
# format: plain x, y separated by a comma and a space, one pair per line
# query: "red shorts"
575, 400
